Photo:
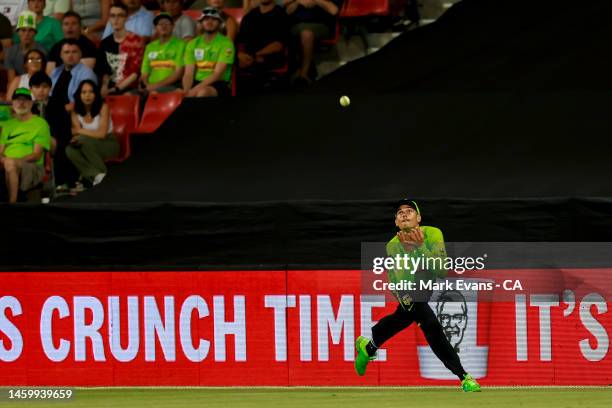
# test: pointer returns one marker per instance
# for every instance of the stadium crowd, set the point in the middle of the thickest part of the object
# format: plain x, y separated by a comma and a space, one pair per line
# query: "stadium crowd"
61, 58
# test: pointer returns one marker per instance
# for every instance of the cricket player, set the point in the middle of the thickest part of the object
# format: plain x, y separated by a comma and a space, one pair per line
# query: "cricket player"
414, 241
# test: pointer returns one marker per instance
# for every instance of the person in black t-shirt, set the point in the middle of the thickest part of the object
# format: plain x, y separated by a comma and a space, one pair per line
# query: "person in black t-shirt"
71, 25
262, 41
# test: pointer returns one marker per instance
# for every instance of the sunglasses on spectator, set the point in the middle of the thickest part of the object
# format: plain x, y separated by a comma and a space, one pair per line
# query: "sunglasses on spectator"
117, 15
34, 59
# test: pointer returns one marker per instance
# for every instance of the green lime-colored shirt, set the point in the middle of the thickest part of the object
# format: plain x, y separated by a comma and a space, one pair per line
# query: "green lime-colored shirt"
19, 138
433, 247
48, 32
205, 56
162, 60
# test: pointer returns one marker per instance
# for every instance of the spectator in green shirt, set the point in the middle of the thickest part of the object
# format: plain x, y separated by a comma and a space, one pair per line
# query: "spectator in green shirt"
208, 59
162, 65
23, 142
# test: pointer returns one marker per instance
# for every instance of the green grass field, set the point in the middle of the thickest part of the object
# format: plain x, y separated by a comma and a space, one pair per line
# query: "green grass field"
328, 397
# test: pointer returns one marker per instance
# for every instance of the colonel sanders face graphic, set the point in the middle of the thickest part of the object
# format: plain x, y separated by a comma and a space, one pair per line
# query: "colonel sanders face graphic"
452, 315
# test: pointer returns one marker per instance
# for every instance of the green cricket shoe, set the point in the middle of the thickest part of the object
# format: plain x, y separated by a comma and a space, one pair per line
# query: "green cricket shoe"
362, 360
469, 384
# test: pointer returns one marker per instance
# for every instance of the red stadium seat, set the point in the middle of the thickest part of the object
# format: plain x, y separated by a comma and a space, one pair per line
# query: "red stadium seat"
194, 14
362, 8
334, 40
157, 109
124, 112
236, 12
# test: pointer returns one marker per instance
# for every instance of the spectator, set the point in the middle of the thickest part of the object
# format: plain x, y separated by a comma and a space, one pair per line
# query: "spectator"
230, 25
94, 15
40, 86
139, 20
184, 26
263, 39
56, 8
33, 62
120, 55
162, 66
92, 140
66, 79
314, 20
23, 142
71, 26
6, 34
72, 71
208, 59
26, 30
48, 29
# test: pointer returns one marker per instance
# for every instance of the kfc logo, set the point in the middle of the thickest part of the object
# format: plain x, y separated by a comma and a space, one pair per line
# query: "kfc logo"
457, 312
451, 310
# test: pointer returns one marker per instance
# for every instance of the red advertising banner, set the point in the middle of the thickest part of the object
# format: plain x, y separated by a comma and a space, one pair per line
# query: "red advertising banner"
280, 328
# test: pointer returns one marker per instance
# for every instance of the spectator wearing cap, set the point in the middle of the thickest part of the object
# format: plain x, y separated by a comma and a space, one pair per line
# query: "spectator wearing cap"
56, 8
208, 59
23, 141
313, 21
139, 20
48, 29
184, 26
119, 56
162, 65
33, 62
229, 28
71, 26
262, 41
26, 30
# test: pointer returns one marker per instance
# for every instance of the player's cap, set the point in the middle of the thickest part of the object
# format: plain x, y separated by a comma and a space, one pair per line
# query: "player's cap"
410, 203
22, 93
162, 16
211, 12
27, 19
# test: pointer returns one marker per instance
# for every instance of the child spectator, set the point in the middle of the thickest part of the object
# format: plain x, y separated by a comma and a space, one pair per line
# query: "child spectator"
120, 55
92, 140
162, 66
26, 30
40, 86
230, 25
34, 61
208, 59
71, 26
139, 20
184, 26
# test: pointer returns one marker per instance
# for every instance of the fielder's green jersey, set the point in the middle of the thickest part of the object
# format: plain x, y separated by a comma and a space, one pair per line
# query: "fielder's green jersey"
433, 249
20, 137
161, 60
205, 56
